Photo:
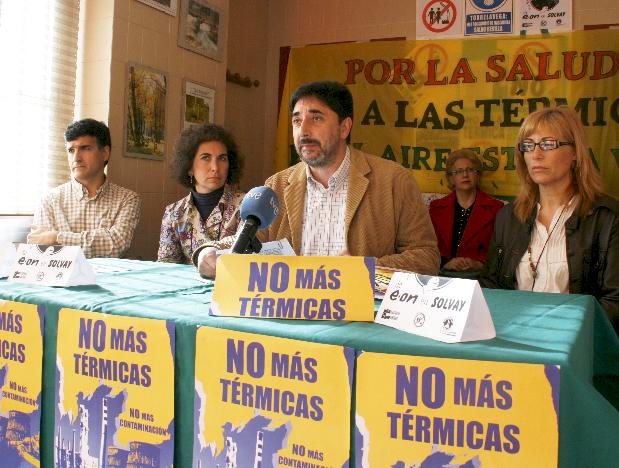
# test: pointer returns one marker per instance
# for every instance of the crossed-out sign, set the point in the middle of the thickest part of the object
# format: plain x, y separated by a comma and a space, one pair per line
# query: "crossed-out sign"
439, 15
432, 51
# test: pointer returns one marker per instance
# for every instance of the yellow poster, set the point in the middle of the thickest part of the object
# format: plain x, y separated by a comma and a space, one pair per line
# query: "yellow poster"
21, 360
306, 288
416, 101
427, 411
114, 390
267, 401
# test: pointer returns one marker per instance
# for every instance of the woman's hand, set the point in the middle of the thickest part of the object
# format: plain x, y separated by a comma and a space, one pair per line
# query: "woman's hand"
463, 264
207, 259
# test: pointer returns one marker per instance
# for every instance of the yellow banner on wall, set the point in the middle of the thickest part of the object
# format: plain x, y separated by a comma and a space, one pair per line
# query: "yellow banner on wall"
115, 389
267, 401
413, 411
416, 101
21, 361
300, 288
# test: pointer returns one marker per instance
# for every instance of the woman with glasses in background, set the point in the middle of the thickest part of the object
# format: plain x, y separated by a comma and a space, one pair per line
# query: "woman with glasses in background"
561, 234
464, 219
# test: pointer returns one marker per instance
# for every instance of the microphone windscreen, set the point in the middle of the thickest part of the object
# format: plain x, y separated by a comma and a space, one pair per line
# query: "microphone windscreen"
261, 203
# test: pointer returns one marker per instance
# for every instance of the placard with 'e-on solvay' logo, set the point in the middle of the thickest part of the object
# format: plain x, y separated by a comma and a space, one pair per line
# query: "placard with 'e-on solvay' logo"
444, 309
51, 265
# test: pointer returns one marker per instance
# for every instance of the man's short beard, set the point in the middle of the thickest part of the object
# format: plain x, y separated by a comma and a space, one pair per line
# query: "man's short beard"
320, 161
323, 160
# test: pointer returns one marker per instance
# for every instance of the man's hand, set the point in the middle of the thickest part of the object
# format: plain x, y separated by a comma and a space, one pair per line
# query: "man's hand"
207, 259
463, 264
42, 235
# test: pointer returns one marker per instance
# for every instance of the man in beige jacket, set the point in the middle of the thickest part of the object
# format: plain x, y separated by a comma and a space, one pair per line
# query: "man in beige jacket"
339, 200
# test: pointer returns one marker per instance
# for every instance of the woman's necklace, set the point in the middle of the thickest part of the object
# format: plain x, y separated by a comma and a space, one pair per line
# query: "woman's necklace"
534, 265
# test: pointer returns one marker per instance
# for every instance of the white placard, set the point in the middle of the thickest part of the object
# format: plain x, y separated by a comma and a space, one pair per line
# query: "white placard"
51, 265
7, 258
536, 16
278, 247
482, 17
439, 19
445, 309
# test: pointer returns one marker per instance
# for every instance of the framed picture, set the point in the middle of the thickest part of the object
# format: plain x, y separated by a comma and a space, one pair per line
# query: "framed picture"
198, 104
201, 29
145, 112
169, 6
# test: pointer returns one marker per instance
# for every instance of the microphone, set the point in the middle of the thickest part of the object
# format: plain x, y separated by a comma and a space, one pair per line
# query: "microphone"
258, 210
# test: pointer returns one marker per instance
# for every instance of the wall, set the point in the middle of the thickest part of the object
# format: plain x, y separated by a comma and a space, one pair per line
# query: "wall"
120, 31
300, 22
245, 111
117, 32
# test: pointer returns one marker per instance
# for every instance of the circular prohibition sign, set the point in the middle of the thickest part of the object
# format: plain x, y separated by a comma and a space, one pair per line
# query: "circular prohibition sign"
447, 9
432, 51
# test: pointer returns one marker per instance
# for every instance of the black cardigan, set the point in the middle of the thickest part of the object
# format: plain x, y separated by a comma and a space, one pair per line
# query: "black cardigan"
592, 243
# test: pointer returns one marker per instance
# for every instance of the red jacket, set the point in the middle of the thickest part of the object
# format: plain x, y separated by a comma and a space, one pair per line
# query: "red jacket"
476, 237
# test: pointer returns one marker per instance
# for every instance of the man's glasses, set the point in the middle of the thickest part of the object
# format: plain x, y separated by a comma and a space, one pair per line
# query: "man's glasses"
463, 170
545, 145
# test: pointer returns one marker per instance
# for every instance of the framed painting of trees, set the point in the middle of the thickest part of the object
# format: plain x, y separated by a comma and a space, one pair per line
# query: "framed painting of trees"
145, 112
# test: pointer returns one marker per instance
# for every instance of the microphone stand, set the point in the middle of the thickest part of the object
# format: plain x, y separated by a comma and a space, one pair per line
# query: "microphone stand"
254, 246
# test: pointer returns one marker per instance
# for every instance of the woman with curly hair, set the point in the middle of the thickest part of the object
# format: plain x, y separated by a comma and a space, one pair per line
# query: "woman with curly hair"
205, 160
561, 234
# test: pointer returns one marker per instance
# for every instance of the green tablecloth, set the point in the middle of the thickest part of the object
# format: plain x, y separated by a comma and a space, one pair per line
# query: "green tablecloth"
568, 330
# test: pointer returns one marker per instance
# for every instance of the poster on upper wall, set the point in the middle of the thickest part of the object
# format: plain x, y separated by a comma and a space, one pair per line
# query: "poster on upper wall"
429, 411
439, 19
145, 107
202, 29
114, 390
545, 15
198, 104
268, 401
486, 17
417, 101
21, 361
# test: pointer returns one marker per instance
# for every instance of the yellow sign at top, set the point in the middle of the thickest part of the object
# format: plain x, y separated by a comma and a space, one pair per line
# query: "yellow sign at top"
303, 288
417, 101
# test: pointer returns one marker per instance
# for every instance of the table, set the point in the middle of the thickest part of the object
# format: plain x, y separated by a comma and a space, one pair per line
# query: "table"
569, 330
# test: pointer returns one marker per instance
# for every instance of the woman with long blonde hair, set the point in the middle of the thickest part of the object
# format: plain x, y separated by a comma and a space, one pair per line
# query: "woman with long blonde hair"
561, 234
